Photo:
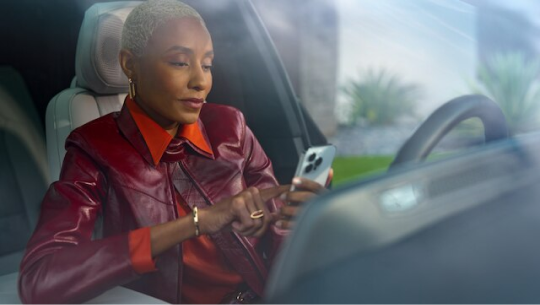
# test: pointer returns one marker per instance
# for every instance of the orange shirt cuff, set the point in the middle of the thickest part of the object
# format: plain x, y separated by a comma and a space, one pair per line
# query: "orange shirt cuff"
140, 251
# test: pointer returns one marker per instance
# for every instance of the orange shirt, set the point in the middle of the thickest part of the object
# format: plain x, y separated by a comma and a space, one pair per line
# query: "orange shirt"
207, 275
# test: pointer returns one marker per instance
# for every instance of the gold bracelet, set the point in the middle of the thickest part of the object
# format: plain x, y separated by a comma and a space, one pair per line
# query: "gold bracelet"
196, 221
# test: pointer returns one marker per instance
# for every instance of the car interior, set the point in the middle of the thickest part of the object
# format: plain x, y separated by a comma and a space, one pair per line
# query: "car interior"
99, 87
23, 168
386, 239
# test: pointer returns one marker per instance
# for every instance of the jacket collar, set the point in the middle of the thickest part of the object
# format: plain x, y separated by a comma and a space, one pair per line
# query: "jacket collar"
154, 143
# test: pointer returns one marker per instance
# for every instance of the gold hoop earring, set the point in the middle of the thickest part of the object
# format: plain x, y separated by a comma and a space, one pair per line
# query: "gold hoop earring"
131, 88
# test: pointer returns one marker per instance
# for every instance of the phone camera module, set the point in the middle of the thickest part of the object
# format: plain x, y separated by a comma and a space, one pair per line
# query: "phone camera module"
309, 168
319, 161
312, 157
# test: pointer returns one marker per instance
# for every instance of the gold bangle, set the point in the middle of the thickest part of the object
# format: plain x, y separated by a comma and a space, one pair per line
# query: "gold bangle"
196, 221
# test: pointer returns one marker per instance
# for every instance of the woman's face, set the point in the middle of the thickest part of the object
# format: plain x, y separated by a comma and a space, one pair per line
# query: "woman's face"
173, 77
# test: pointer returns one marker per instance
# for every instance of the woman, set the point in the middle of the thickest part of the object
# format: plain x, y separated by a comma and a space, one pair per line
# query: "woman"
183, 188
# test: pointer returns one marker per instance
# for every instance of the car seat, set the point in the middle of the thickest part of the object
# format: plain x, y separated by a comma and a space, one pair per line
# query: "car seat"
99, 86
23, 168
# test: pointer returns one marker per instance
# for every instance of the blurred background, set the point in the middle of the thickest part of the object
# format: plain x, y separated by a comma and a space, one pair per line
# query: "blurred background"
400, 60
368, 71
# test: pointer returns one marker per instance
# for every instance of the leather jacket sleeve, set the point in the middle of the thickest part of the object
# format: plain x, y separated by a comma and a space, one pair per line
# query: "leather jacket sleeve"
259, 173
62, 263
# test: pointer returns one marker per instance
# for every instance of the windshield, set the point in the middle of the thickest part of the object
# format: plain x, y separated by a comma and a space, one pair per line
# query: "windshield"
369, 72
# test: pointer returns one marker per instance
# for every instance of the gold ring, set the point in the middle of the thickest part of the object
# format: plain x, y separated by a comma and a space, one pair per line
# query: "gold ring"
257, 214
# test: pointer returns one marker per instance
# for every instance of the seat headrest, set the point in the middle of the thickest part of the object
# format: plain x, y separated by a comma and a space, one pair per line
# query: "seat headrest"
96, 64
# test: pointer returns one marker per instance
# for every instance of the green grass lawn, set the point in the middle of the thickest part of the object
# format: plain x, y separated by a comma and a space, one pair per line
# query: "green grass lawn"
347, 169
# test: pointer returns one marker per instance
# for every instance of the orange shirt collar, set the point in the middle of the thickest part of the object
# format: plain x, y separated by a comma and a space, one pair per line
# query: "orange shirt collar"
157, 139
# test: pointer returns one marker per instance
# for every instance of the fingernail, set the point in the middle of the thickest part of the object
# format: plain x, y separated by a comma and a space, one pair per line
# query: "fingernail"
283, 196
279, 223
296, 181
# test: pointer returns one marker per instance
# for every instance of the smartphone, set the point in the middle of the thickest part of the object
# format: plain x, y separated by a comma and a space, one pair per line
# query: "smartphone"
315, 163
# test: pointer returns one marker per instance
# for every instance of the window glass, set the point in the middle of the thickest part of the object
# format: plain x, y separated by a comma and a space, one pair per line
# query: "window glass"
389, 64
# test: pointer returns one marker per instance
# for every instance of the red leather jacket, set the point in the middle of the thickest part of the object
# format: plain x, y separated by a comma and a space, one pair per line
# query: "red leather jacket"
109, 174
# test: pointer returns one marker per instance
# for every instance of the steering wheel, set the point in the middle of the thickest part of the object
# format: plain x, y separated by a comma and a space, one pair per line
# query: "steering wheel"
444, 119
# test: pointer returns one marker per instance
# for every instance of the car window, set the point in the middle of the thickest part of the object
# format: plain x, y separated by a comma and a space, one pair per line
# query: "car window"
369, 72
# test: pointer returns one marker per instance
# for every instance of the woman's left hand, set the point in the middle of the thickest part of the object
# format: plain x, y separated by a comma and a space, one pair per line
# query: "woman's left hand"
305, 190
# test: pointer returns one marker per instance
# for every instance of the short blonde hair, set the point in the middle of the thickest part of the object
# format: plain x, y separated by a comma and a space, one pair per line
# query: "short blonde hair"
145, 18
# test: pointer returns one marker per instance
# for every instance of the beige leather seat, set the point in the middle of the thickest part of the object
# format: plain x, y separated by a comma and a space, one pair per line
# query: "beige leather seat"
99, 86
23, 168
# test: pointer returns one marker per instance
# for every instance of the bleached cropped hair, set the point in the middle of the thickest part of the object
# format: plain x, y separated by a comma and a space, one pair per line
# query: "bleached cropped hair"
145, 18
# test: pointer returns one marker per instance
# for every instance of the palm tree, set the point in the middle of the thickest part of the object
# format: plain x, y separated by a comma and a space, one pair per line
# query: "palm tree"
512, 82
380, 98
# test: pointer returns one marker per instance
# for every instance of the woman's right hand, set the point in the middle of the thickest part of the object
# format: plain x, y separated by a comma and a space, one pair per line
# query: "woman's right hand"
234, 213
